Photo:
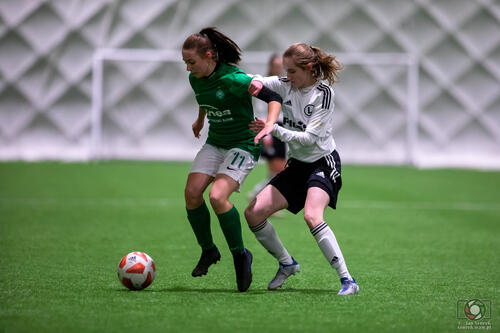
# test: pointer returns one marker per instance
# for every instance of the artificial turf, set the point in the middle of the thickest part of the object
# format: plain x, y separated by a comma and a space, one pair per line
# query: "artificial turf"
417, 242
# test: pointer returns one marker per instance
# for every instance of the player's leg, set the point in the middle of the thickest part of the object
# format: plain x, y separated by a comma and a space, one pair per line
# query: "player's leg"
316, 202
230, 175
277, 161
202, 174
276, 165
199, 219
227, 213
274, 152
267, 202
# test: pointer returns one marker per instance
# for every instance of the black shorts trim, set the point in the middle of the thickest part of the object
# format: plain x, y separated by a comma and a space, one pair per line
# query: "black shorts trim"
298, 177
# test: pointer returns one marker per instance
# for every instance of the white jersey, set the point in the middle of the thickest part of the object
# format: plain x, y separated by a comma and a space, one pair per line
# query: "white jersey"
308, 111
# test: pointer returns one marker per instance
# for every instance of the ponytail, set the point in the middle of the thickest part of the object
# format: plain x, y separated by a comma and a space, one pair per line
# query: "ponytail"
223, 48
324, 66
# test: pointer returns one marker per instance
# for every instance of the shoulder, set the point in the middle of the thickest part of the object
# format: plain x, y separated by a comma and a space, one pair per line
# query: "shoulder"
276, 82
283, 81
234, 80
228, 69
325, 95
231, 72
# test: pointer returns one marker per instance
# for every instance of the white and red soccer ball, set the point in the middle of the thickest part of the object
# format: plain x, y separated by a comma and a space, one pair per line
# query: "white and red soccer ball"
136, 270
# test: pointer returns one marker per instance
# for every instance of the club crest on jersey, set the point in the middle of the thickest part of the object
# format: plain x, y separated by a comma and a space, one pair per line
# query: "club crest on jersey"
219, 94
308, 110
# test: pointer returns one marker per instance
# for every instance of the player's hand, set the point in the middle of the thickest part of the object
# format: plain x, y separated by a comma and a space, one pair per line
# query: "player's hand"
257, 125
265, 131
255, 87
197, 126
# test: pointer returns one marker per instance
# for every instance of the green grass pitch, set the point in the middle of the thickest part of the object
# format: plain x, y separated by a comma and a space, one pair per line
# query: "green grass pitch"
417, 241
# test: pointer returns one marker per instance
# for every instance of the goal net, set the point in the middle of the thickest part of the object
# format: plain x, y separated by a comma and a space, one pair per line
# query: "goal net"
143, 106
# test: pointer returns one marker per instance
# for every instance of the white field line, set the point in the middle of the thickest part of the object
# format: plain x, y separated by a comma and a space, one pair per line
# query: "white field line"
420, 205
119, 202
159, 202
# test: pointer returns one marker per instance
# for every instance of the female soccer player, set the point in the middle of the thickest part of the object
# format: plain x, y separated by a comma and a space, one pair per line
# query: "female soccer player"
229, 154
312, 178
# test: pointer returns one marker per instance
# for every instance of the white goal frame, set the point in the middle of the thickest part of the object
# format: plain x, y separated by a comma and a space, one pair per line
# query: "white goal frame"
154, 55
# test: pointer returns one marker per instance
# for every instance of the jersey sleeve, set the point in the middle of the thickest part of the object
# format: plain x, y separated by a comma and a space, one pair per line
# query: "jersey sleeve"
285, 135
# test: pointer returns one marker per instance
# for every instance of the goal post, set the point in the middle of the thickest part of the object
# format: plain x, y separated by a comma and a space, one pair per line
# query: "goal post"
149, 106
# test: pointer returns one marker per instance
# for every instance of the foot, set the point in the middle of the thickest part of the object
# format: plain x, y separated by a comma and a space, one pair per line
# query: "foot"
349, 287
208, 257
284, 272
243, 268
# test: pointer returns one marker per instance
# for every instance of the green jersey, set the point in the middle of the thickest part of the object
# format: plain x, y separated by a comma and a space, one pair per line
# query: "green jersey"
225, 99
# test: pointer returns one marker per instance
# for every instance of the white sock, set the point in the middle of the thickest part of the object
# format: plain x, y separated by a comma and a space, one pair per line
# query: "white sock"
328, 244
266, 235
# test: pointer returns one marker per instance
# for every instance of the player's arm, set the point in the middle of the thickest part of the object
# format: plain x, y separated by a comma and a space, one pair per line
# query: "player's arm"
272, 82
273, 101
316, 128
285, 135
199, 122
304, 138
273, 87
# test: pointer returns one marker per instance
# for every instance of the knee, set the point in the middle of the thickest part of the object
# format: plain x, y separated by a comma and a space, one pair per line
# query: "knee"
250, 213
193, 197
312, 220
217, 200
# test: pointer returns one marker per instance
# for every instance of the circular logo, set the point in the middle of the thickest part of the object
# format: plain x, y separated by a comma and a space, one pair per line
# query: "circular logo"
308, 110
219, 94
474, 309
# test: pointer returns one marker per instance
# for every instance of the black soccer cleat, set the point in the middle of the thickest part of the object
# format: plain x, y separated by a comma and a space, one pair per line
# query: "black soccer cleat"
208, 257
243, 268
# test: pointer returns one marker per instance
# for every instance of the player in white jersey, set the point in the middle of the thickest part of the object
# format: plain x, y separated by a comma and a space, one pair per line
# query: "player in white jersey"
312, 178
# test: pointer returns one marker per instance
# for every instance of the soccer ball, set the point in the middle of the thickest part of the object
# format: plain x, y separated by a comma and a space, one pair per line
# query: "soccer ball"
136, 270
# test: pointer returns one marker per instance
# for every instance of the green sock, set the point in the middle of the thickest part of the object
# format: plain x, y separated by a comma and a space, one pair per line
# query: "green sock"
199, 218
231, 227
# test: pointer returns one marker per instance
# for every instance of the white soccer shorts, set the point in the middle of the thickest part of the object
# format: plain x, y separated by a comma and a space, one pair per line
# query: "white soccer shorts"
236, 163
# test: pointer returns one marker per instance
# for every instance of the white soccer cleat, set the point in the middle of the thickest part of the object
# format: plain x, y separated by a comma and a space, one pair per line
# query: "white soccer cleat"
284, 272
349, 287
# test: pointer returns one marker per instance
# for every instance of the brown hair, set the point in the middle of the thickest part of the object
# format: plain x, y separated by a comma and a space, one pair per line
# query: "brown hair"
223, 48
324, 66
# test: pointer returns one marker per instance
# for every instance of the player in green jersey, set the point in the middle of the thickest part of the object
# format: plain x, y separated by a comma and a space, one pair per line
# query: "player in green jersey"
229, 154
